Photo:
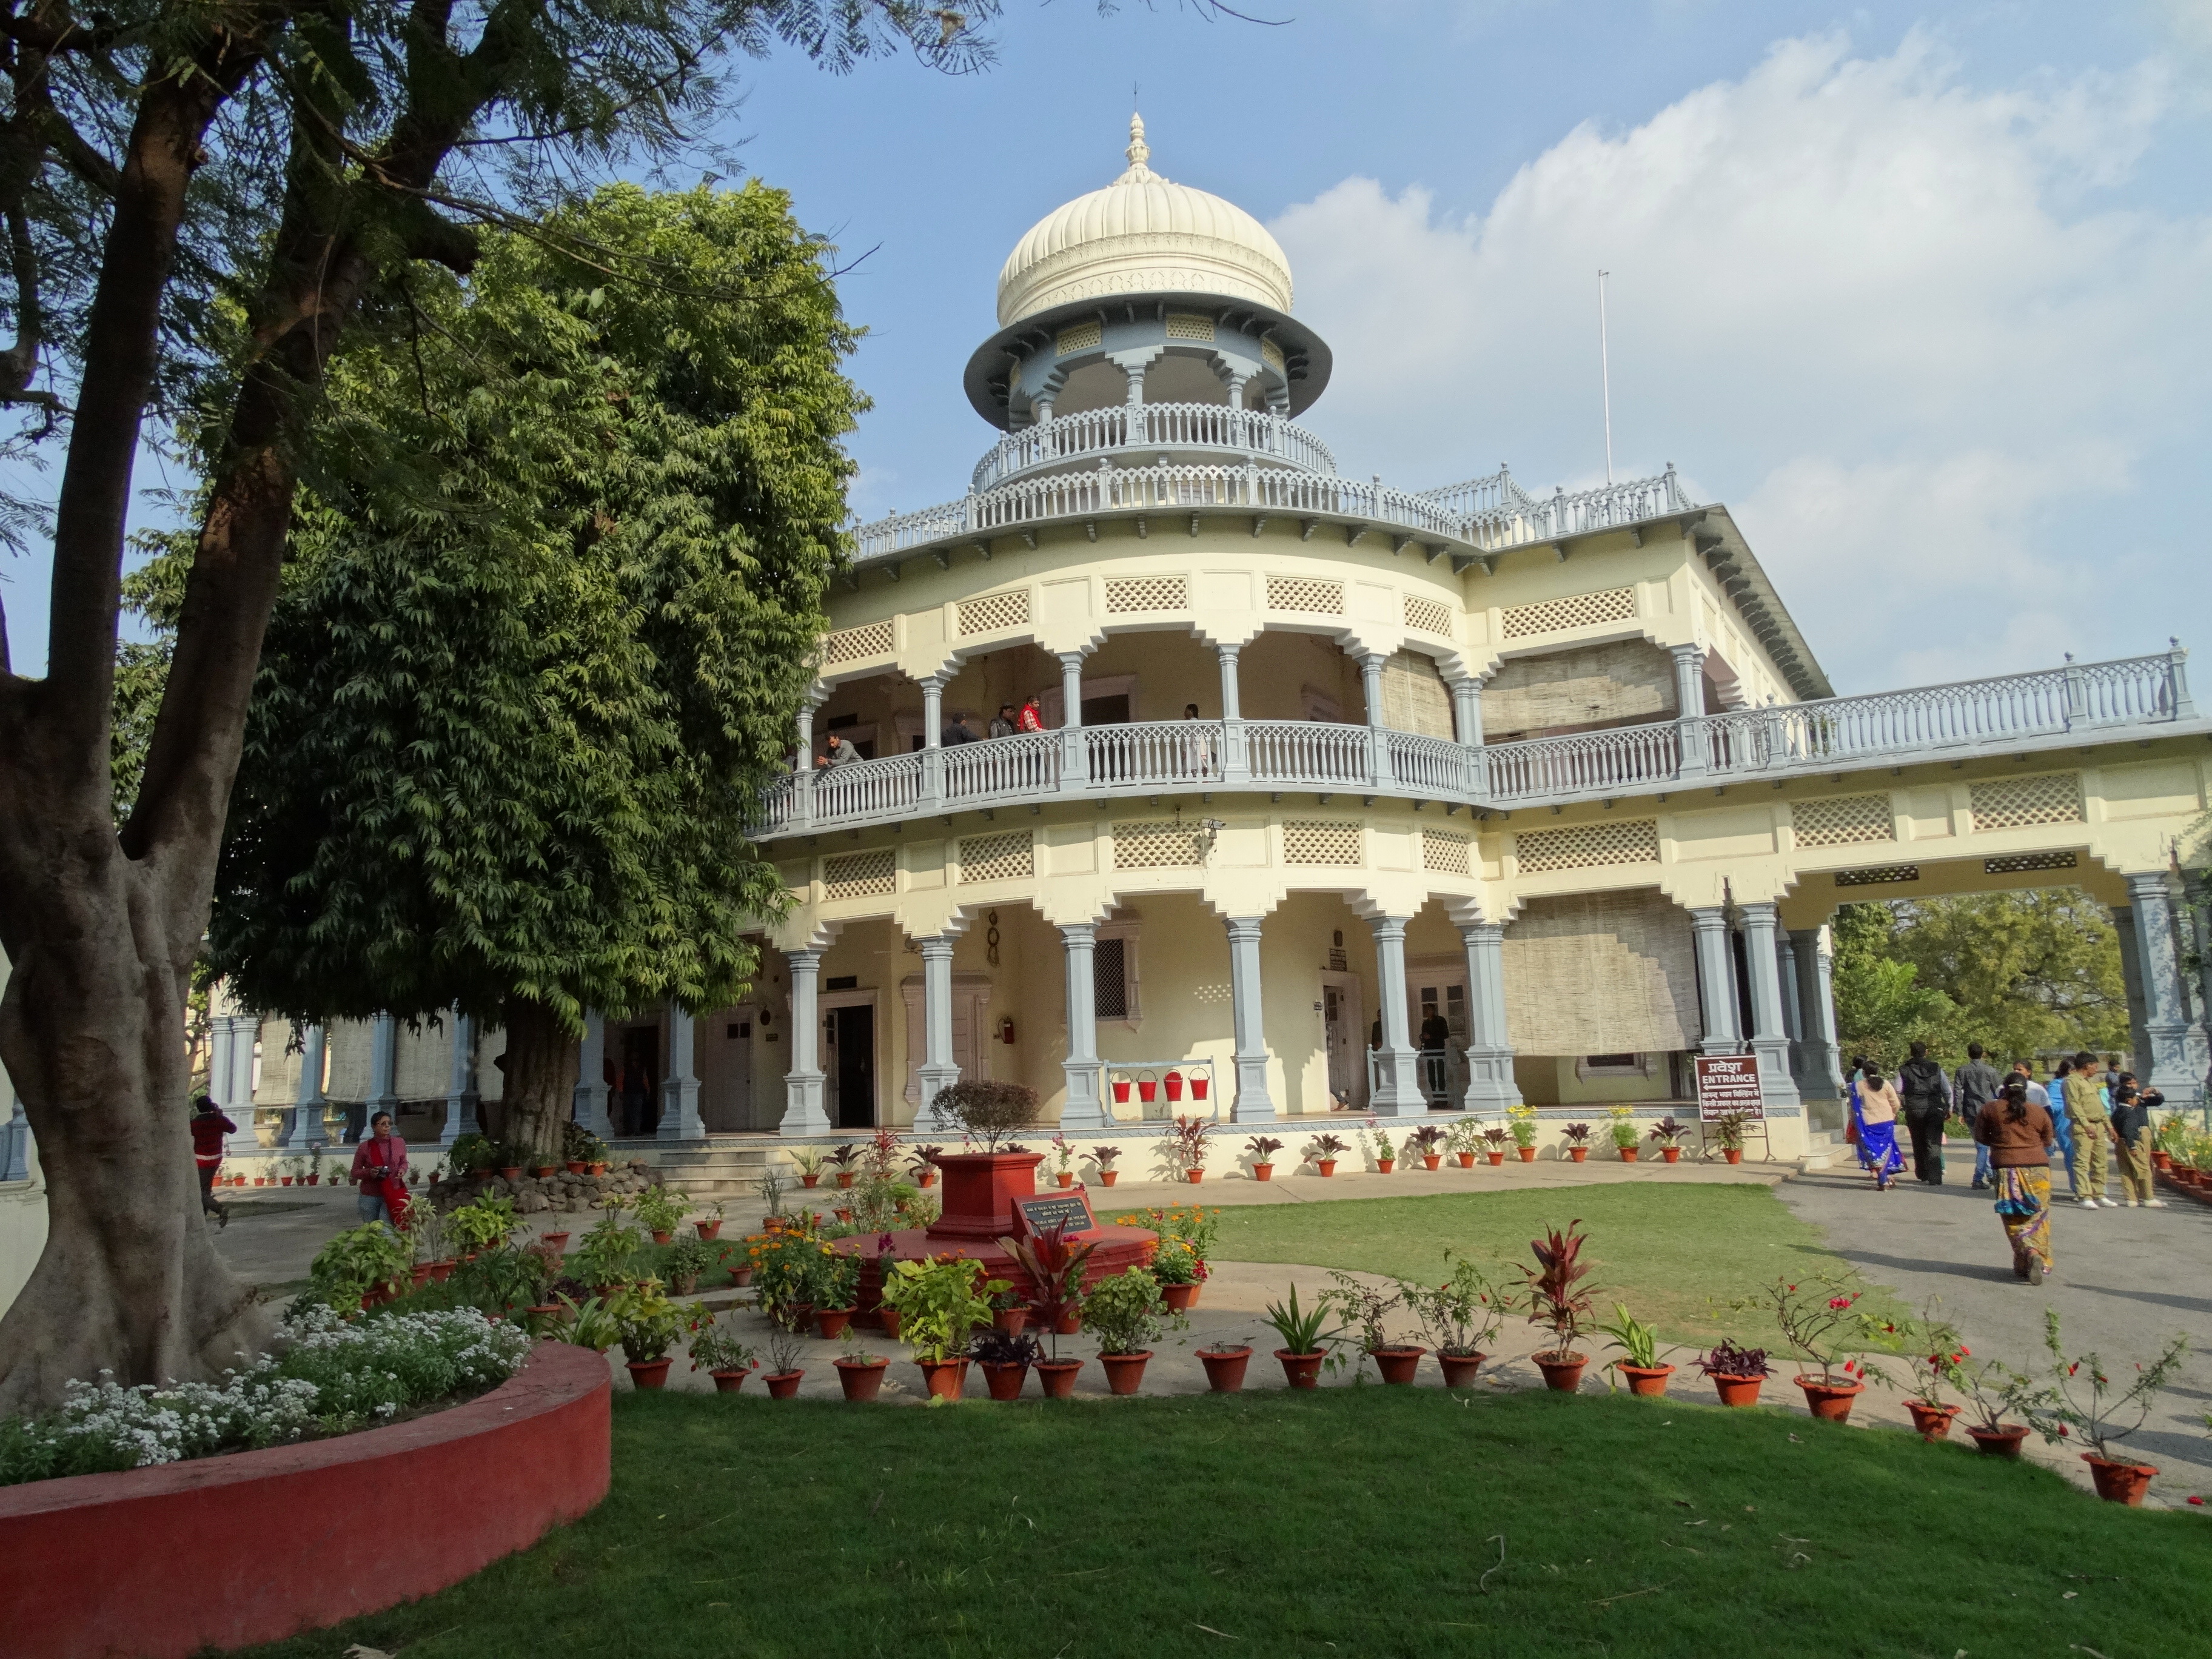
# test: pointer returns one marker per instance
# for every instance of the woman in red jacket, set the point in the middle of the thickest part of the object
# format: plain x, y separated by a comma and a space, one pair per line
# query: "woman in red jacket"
379, 1170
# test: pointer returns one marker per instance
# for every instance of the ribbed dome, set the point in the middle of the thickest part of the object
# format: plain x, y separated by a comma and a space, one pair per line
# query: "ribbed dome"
1142, 235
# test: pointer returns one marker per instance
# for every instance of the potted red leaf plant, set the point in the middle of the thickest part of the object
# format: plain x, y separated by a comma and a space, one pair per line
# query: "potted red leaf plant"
1577, 1136
1557, 1300
1323, 1152
940, 1302
1820, 1321
1368, 1307
1669, 1135
845, 1160
1639, 1346
715, 1350
1186, 1148
1308, 1340
1736, 1372
1427, 1142
1105, 1158
1495, 1140
1054, 1266
1006, 1357
1125, 1313
922, 1160
1261, 1150
2082, 1407
1728, 1129
1460, 1318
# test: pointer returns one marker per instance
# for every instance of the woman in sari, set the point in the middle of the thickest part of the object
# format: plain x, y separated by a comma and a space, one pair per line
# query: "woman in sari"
1874, 1106
2020, 1136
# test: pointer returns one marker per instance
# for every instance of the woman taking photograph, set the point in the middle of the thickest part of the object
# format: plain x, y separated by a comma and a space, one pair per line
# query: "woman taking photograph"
2020, 1136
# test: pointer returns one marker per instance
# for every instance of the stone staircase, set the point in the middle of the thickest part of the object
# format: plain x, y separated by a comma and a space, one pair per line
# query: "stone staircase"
722, 1169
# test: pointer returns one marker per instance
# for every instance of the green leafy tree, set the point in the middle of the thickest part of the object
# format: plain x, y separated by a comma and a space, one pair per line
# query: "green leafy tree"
1882, 1007
532, 667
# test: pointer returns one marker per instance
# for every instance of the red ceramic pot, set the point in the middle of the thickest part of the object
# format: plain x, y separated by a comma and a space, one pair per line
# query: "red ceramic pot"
315, 1181
1300, 1371
1496, 1158
1005, 1379
663, 1236
1225, 1368
1108, 1177
810, 1181
1460, 1368
1627, 1154
891, 1318
1124, 1372
844, 1177
1528, 1154
1562, 1374
545, 1310
1180, 1298
1466, 1160
558, 1241
945, 1378
926, 1180
730, 1382
861, 1379
1933, 1422
708, 1229
1326, 1166
2118, 1483
543, 1171
1065, 1177
1578, 1153
1672, 1154
1397, 1365
1384, 1165
577, 1165
1070, 1322
1647, 1380
1010, 1320
1998, 1443
442, 1271
647, 1373
1733, 1154
783, 1384
1263, 1172
829, 1323
1194, 1175
510, 1172
1830, 1401
421, 1273
1737, 1390
741, 1276
1058, 1377
598, 1167
287, 1180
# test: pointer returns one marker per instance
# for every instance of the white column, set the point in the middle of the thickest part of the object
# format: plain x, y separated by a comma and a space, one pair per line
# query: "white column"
15, 1140
1690, 706
2196, 893
802, 1112
802, 789
1378, 749
1490, 1084
1236, 762
1248, 1017
462, 1097
1398, 1084
1073, 767
679, 1089
1716, 981
933, 732
2123, 924
1085, 1109
1467, 710
307, 1128
1768, 1040
2163, 1022
221, 1034
591, 1108
937, 1071
1821, 1075
247, 1038
1793, 1004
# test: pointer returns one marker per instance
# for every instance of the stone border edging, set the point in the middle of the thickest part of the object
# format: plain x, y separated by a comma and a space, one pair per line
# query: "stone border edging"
254, 1547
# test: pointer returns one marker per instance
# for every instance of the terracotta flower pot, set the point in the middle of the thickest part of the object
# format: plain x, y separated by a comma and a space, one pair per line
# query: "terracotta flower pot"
1649, 1381
707, 1229
1070, 1323
810, 1181
577, 1165
783, 1384
542, 1171
1065, 1177
1010, 1320
1263, 1172
1933, 1422
663, 1236
1528, 1154
1384, 1165
442, 1271
1225, 1368
557, 1241
1431, 1160
1460, 1368
420, 1273
1300, 1371
730, 1382
1578, 1153
741, 1276
510, 1172
315, 1181
2164, 1160
1005, 1379
1397, 1365
2118, 1483
287, 1180
1124, 1372
945, 1378
1830, 1401
1496, 1158
1058, 1377
829, 1323
891, 1318
1672, 1154
1180, 1297
647, 1373
599, 1166
1108, 1177
844, 1215
1998, 1443
1466, 1160
861, 1379
1326, 1166
1562, 1374
1737, 1390
1194, 1176
1733, 1154
1627, 1154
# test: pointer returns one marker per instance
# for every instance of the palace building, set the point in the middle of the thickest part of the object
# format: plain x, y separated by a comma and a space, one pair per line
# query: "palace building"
1346, 797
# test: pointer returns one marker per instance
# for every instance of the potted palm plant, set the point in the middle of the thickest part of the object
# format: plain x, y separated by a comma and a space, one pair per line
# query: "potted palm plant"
1639, 1346
1463, 1140
1323, 1152
2082, 1407
940, 1302
1105, 1159
1369, 1307
808, 1161
1557, 1299
1261, 1150
1054, 1266
1428, 1142
1308, 1340
716, 1349
1521, 1122
1621, 1123
1737, 1373
1459, 1318
1124, 1311
1669, 1134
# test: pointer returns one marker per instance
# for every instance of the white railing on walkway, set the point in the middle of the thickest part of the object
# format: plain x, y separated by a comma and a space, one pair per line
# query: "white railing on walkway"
1153, 752
1095, 432
1002, 769
1307, 752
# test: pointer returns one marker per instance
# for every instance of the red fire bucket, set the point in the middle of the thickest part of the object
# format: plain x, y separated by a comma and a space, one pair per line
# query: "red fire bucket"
1174, 1086
1121, 1092
1197, 1087
1148, 1089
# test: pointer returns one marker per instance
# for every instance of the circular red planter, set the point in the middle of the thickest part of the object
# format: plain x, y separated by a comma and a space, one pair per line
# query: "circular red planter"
1070, 1323
1528, 1154
647, 1373
1010, 1320
945, 1378
1933, 1422
1182, 1298
1397, 1365
1627, 1154
1225, 1368
1736, 1390
831, 1322
1672, 1154
844, 1177
1460, 1368
1733, 1154
1431, 1160
810, 1181
1466, 1160
783, 1384
1649, 1381
577, 1165
1108, 1177
1496, 1158
2119, 1483
1578, 1153
1829, 1401
1004, 1379
1124, 1372
1998, 1443
1327, 1167
926, 1180
1263, 1172
1065, 1177
1194, 1175
741, 1277
1384, 1165
1057, 1376
1563, 1375
510, 1172
707, 1229
558, 1241
730, 1382
1300, 1371
861, 1379
891, 1318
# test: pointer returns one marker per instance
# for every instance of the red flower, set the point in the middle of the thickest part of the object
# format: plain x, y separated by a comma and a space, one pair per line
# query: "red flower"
2196, 1500
2073, 1367
2061, 1431
1839, 1301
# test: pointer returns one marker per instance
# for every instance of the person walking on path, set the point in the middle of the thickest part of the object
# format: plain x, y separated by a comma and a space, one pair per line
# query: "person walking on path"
2089, 1126
2019, 1135
380, 1170
2054, 1099
1873, 1108
1927, 1096
2131, 1140
1978, 1084
210, 1126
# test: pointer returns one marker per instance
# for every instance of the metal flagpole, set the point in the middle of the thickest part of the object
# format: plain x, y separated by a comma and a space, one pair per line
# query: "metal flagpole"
1605, 373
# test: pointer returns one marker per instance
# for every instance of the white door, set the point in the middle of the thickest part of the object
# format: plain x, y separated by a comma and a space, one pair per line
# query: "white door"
1345, 1033
1436, 1015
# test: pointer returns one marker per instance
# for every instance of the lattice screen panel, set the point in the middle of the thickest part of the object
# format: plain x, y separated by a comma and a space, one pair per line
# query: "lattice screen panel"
2013, 803
1306, 593
851, 644
1083, 337
1182, 326
997, 858
1127, 595
1878, 875
996, 611
2022, 863
1843, 820
859, 875
1588, 845
1576, 611
1309, 842
1156, 844
1427, 616
1446, 854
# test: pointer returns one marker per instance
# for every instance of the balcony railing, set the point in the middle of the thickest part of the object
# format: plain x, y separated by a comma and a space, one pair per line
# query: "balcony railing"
1103, 432
2136, 693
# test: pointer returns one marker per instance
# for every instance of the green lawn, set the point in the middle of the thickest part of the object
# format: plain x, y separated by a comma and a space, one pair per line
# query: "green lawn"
1352, 1521
1664, 1251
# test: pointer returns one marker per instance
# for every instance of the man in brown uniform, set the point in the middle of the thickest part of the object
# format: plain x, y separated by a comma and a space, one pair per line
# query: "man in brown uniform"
2092, 1127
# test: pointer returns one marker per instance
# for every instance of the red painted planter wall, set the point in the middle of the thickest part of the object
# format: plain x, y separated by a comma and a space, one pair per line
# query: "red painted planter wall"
230, 1551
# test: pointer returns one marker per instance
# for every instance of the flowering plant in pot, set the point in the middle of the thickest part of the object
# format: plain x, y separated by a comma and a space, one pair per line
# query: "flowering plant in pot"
1459, 1318
1577, 1136
784, 1273
1322, 1153
715, 1348
833, 1287
1126, 1314
1063, 1161
2082, 1407
808, 1161
1185, 1148
1736, 1372
1558, 1300
1934, 1353
1669, 1134
1621, 1123
1994, 1392
1427, 1142
1639, 1346
659, 1210
1375, 1141
1105, 1158
1521, 1123
1308, 1340
1261, 1150
1367, 1309
1495, 1140
1053, 1265
1006, 1357
940, 1302
1820, 1321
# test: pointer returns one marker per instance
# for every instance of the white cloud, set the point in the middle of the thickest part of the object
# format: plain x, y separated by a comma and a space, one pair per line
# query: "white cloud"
1892, 319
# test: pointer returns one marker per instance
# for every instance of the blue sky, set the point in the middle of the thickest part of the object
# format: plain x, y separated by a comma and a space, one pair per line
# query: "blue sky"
1920, 294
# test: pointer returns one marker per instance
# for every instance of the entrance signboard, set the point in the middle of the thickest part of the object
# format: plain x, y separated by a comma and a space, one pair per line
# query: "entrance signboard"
1728, 1083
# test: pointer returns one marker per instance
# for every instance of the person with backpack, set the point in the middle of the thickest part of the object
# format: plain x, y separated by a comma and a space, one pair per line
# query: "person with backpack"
1926, 1093
1977, 1084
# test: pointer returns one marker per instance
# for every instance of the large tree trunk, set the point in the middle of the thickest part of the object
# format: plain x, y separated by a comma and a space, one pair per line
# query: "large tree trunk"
539, 1093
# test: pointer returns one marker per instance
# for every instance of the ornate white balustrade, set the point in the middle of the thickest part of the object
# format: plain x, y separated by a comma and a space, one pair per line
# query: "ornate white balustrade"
1103, 432
1941, 721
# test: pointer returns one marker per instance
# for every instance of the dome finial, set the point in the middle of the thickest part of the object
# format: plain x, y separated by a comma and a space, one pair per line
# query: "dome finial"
1139, 152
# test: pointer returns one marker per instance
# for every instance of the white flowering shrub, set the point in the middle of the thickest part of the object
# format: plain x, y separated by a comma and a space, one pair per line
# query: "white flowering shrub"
328, 1375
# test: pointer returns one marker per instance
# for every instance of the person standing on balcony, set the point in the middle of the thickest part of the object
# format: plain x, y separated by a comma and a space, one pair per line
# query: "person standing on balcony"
1002, 723
957, 730
1927, 1096
1977, 1083
1031, 719
837, 752
2090, 1126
